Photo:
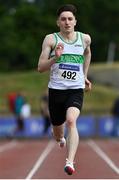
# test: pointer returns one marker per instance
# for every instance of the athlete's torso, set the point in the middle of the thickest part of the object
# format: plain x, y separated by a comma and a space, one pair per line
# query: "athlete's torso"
67, 72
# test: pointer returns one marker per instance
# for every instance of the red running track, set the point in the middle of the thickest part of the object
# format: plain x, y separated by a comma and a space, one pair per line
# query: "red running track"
44, 159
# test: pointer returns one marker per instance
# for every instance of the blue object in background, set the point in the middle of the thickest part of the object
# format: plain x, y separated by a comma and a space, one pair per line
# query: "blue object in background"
105, 126
7, 125
116, 126
86, 126
34, 127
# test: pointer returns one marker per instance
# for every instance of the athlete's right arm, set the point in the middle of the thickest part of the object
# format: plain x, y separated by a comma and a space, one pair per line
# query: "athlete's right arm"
45, 62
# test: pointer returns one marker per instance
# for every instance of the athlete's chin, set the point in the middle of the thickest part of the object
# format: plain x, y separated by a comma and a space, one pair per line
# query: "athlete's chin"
68, 31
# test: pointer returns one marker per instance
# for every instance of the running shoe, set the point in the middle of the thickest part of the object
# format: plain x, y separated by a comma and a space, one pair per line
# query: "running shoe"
62, 142
69, 167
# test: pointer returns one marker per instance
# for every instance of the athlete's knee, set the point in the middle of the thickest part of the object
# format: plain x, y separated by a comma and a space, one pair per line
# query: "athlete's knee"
70, 122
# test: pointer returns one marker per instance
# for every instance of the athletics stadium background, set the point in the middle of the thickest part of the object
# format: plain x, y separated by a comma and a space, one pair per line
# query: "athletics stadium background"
20, 47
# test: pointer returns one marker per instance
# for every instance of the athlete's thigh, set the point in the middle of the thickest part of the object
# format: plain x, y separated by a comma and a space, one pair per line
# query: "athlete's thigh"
75, 98
56, 107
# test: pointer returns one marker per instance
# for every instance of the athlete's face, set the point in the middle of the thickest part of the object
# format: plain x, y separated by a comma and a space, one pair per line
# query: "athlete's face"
66, 22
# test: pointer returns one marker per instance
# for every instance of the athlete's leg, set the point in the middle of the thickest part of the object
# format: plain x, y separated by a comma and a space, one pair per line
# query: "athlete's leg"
58, 132
73, 137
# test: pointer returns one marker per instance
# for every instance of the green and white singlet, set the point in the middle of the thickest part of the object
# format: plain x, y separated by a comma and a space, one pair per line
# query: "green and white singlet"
67, 72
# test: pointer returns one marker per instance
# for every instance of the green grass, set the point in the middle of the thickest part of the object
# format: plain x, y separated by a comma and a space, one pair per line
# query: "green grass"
100, 66
33, 84
100, 100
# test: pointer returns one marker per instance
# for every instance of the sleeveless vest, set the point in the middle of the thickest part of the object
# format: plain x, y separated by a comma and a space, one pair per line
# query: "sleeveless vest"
67, 71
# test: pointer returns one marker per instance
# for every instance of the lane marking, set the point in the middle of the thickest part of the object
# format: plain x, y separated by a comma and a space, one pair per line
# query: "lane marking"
102, 154
41, 159
7, 146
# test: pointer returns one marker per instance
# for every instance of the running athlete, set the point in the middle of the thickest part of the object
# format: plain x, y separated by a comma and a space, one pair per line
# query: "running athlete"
67, 55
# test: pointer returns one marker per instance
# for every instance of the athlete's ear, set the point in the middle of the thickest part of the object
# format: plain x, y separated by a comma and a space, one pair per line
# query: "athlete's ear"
57, 22
75, 22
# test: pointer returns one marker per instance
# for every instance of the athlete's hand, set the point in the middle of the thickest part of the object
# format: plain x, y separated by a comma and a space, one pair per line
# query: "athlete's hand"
88, 85
59, 50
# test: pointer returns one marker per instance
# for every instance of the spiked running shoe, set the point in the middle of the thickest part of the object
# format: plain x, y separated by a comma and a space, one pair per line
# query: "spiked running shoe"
69, 167
62, 142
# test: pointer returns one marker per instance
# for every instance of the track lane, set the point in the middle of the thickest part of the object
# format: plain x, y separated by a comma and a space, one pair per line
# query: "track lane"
41, 159
88, 165
111, 147
17, 162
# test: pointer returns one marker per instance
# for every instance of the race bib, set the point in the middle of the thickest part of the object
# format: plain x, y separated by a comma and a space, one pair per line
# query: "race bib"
68, 72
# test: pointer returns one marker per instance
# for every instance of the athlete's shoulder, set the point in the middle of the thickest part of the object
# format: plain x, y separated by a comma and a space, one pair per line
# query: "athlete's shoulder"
86, 38
49, 39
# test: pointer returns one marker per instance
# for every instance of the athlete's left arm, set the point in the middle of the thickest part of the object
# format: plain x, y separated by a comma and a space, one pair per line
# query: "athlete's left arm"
87, 56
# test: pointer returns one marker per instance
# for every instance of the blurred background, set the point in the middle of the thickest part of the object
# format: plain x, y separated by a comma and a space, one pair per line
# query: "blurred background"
23, 26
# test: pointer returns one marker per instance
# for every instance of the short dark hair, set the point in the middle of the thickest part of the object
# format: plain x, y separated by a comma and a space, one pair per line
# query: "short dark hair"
67, 7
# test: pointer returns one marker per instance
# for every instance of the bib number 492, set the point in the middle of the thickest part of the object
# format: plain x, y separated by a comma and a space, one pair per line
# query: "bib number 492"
70, 75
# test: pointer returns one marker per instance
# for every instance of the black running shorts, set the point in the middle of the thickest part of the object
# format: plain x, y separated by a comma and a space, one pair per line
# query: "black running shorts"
61, 100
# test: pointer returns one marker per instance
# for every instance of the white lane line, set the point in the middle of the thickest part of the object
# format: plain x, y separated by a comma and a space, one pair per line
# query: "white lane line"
40, 160
7, 146
102, 154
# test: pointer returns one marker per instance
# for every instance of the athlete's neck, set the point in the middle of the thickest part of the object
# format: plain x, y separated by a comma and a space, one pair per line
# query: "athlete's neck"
68, 37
